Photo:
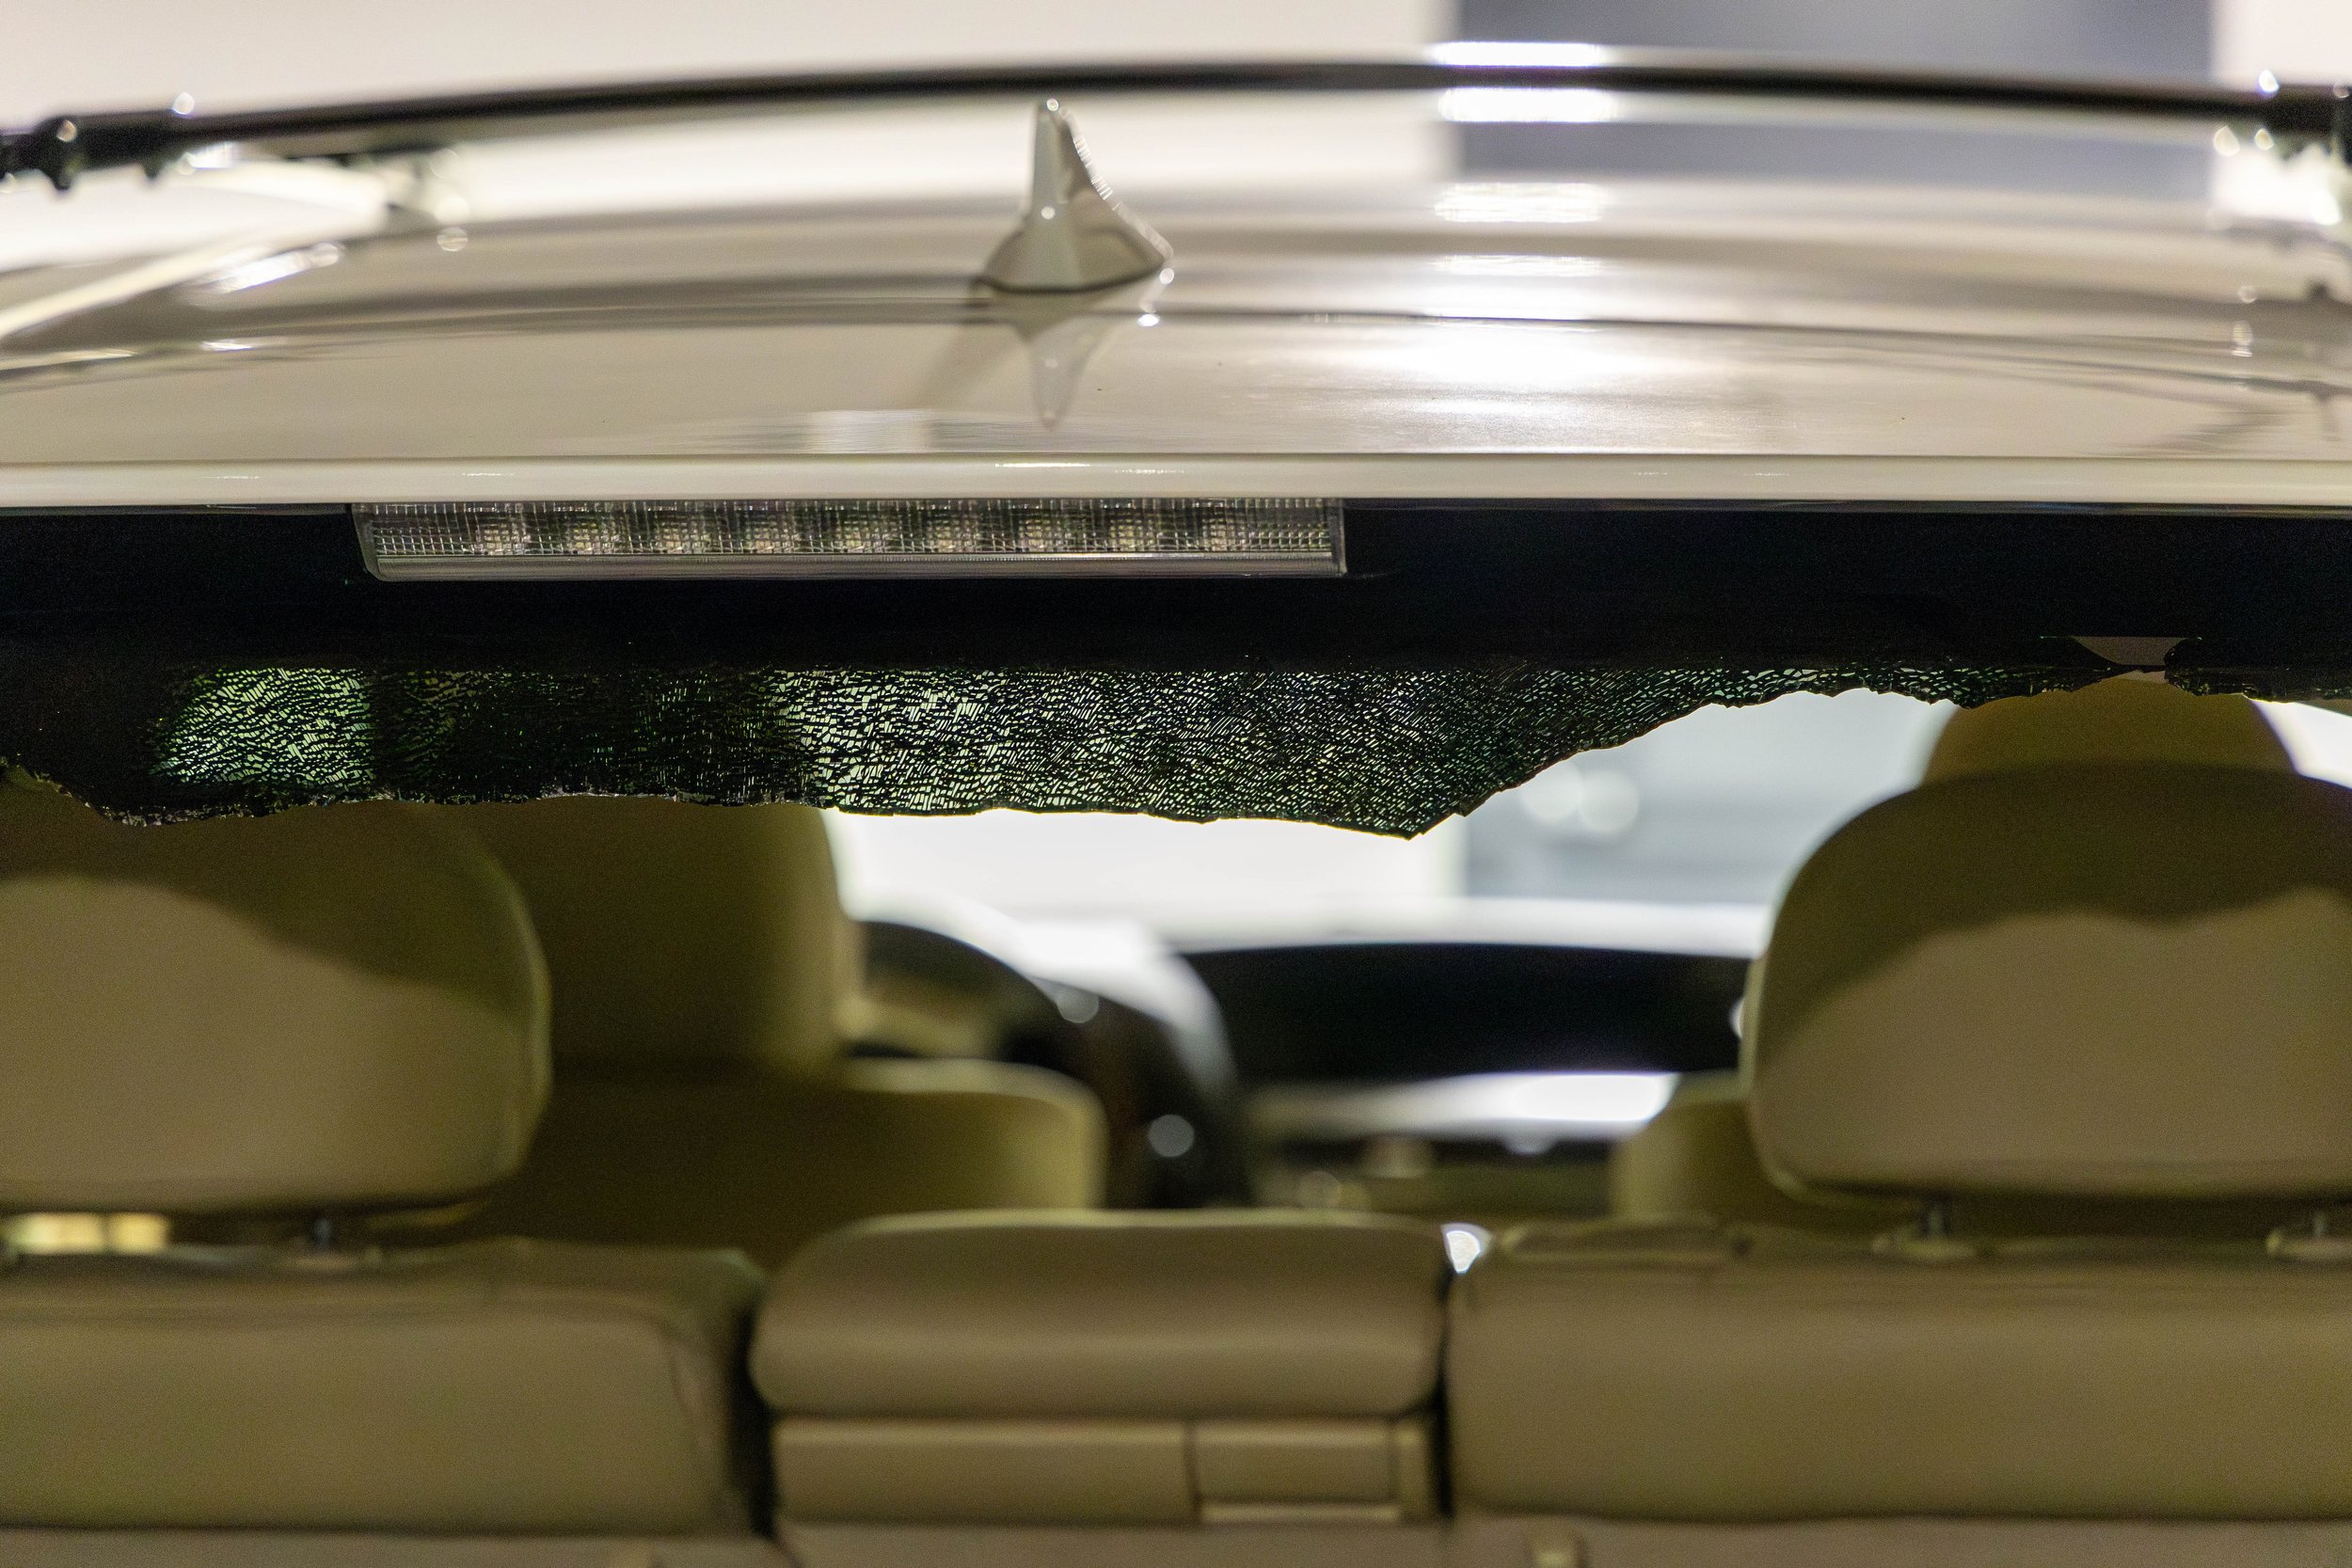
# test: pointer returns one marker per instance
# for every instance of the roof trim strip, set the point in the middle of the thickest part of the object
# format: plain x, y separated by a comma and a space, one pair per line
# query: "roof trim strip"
1467, 478
66, 146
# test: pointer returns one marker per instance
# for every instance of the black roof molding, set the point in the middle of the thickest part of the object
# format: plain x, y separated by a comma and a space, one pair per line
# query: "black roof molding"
66, 146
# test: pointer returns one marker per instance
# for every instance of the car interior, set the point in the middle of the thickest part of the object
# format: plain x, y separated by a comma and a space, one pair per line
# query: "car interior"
1480, 1082
576, 1183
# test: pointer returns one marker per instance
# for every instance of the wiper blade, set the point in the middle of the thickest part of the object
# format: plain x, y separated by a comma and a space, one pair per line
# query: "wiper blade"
66, 146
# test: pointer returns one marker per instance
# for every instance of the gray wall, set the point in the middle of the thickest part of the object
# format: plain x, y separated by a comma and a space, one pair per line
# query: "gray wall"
2143, 37
106, 54
2133, 38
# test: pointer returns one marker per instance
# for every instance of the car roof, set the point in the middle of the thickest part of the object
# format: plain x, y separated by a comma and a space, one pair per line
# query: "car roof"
1539, 439
1551, 340
1489, 339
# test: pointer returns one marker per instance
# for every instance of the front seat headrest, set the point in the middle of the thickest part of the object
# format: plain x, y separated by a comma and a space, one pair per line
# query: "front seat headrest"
2124, 719
337, 1008
2129, 981
1697, 1157
681, 935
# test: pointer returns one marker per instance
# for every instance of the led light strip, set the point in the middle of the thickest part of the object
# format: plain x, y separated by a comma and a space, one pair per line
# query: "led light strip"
1175, 537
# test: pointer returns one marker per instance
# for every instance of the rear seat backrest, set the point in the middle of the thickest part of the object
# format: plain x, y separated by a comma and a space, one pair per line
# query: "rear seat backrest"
1173, 1370
703, 968
325, 1014
2119, 982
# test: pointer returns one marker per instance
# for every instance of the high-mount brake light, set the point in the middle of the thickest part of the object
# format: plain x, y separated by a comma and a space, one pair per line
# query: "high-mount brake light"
1172, 537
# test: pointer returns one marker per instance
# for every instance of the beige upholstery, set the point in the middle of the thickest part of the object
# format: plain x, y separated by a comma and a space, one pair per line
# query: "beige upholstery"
1329, 1543
701, 967
1133, 1369
927, 1017
1167, 1314
1587, 1543
1697, 1158
2103, 957
2184, 932
2059, 989
83, 1548
318, 1012
497, 1386
1683, 1374
678, 933
328, 1009
2124, 719
764, 1163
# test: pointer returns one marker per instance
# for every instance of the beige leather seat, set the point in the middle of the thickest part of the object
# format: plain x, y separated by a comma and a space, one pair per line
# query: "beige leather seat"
2069, 983
2122, 719
1698, 1156
317, 1017
1696, 1159
702, 973
1164, 1389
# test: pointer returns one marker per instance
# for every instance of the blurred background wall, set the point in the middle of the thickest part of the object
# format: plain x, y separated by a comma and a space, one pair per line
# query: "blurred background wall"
2139, 37
229, 52
2294, 38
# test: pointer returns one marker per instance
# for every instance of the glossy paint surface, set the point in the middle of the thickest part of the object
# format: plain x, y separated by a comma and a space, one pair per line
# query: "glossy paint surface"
1519, 340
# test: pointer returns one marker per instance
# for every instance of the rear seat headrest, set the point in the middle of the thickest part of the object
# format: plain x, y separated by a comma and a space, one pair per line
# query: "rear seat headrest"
2128, 979
680, 934
2124, 719
329, 1010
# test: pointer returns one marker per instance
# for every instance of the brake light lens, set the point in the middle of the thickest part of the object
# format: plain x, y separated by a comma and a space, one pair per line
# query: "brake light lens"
1179, 536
